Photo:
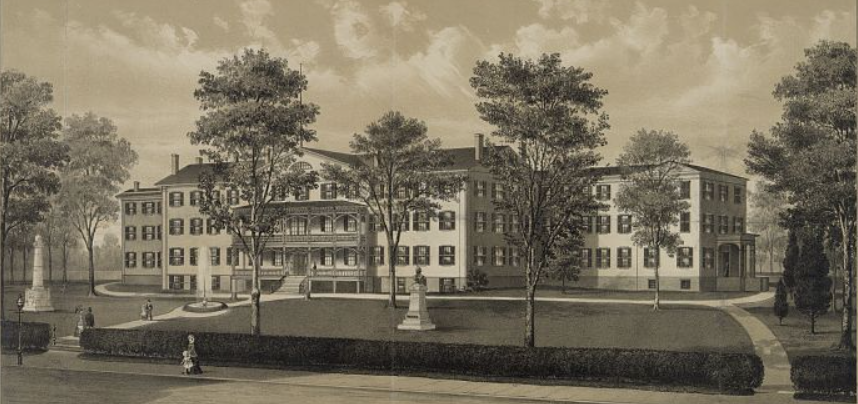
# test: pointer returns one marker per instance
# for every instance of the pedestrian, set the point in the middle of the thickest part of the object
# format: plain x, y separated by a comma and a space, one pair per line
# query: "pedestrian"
89, 318
187, 363
81, 322
149, 309
143, 313
192, 353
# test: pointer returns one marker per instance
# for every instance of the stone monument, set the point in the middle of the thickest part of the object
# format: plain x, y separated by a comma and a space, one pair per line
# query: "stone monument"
417, 318
204, 275
38, 298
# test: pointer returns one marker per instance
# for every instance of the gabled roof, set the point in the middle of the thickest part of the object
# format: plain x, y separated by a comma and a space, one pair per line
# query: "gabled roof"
616, 170
132, 191
189, 174
462, 158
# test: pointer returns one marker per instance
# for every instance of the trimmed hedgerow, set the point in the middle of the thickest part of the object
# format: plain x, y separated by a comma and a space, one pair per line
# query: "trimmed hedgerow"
34, 336
823, 374
726, 372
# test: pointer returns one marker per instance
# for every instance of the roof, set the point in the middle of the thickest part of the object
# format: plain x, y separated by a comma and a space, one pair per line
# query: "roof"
462, 158
325, 205
132, 191
617, 170
189, 174
342, 157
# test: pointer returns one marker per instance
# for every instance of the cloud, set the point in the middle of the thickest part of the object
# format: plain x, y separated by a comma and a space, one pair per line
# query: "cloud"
579, 11
221, 23
353, 31
535, 39
156, 35
399, 16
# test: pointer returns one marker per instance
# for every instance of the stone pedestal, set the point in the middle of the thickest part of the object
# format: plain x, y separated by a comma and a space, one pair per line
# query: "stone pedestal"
37, 298
417, 318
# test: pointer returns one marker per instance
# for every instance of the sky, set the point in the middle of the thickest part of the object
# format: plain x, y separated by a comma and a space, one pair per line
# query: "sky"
702, 69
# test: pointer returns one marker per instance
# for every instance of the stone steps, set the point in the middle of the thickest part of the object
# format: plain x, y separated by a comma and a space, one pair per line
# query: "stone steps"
68, 344
291, 285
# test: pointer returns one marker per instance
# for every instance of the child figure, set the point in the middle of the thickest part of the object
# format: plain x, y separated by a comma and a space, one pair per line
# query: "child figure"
187, 363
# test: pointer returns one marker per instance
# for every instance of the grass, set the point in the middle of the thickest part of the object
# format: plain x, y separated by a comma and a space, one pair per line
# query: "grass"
107, 310
492, 323
556, 291
121, 287
795, 334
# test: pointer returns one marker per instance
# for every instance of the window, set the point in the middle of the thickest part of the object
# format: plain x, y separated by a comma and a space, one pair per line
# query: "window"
685, 189
405, 225
400, 284
480, 255
499, 256
376, 256
194, 198
149, 233
329, 191
498, 223
193, 253
421, 255
421, 221
350, 257
130, 260
159, 259
148, 260
737, 195
130, 233
303, 194
624, 257
193, 282
448, 285
650, 257
603, 258
148, 208
277, 258
447, 220
624, 224
130, 208
588, 224
708, 191
177, 199
297, 226
604, 225
326, 224
373, 224
326, 255
513, 224
723, 224
177, 282
498, 191
177, 256
446, 255
685, 222
480, 189
231, 256
685, 283
212, 227
708, 223
350, 224
232, 197
351, 192
215, 196
684, 257
738, 225
603, 192
480, 222
215, 282
214, 253
723, 192
177, 227
514, 257
650, 283
196, 227
585, 260
402, 255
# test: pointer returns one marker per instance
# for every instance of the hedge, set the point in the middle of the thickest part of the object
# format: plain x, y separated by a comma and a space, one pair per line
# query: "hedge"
823, 374
35, 336
726, 372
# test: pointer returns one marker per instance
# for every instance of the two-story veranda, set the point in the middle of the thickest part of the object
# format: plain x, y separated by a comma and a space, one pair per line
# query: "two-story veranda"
318, 244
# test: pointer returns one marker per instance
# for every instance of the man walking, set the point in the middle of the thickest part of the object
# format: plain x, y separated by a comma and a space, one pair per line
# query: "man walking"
89, 318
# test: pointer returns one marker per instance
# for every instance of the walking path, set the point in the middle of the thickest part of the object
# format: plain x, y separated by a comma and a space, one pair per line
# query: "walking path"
766, 345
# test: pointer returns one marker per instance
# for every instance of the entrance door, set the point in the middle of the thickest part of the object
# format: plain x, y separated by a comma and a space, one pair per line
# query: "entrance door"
299, 264
725, 263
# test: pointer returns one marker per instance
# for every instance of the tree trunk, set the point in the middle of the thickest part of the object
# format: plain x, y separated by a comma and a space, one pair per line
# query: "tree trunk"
563, 283
91, 253
12, 264
255, 293
656, 300
50, 261
24, 270
2, 266
846, 313
65, 263
530, 287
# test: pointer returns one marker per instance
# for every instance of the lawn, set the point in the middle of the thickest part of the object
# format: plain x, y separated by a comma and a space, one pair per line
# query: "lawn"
107, 310
795, 334
556, 291
492, 323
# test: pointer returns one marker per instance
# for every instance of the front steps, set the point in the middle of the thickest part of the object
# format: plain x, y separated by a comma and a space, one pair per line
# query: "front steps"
292, 285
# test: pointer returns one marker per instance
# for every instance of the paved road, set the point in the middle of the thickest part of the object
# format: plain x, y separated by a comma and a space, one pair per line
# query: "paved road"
44, 386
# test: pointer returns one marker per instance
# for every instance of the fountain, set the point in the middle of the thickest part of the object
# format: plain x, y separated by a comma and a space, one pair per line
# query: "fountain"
204, 286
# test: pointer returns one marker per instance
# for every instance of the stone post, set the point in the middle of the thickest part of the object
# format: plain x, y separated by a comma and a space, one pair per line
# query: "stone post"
38, 298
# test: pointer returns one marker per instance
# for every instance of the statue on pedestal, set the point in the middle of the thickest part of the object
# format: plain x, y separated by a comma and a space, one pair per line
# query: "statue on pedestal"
38, 298
417, 318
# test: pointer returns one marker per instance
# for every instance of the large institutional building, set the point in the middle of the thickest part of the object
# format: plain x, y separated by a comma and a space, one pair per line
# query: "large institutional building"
329, 239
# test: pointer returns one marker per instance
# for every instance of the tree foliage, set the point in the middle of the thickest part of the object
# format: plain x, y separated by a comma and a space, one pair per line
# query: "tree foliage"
791, 257
252, 125
781, 305
767, 212
551, 116
810, 154
812, 285
402, 172
652, 161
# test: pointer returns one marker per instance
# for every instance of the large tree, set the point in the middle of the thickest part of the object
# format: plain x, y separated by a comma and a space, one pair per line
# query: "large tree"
767, 210
550, 115
810, 154
29, 154
252, 125
402, 173
812, 284
652, 162
99, 164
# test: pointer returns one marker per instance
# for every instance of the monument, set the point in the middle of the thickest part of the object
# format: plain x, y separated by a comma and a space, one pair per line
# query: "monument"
37, 298
417, 318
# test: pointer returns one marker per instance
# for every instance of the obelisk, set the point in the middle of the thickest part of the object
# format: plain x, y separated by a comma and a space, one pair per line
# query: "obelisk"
204, 275
38, 298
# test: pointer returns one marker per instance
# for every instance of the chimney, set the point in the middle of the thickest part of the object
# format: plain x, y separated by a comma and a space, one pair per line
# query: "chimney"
175, 159
478, 147
199, 160
136, 186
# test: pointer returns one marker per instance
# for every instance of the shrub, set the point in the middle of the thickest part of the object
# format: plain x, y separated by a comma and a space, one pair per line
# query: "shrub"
34, 336
477, 280
733, 373
823, 374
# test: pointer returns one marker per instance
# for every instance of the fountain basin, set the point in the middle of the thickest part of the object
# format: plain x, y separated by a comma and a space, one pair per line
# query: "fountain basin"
208, 307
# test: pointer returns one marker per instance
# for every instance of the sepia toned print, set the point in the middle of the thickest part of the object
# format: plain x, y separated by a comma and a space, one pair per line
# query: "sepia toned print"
413, 201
